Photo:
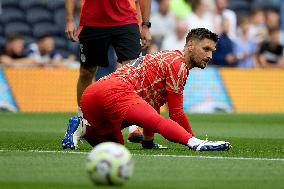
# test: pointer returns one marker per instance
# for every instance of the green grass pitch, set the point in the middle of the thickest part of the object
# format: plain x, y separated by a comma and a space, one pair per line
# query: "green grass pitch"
31, 156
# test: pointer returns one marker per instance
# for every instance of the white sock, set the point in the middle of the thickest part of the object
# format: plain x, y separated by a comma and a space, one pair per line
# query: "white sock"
192, 142
80, 113
85, 122
132, 128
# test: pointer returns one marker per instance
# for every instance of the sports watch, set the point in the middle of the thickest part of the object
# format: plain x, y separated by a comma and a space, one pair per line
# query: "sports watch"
147, 24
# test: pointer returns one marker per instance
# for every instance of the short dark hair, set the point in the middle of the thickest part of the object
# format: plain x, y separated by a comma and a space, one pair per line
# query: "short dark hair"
41, 37
14, 37
200, 34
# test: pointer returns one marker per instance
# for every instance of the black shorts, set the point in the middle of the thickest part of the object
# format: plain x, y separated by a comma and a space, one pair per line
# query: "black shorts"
95, 42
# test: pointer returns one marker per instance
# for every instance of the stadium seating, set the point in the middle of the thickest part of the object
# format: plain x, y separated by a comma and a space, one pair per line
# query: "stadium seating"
59, 18
33, 18
45, 28
22, 28
1, 31
56, 4
32, 3
60, 43
38, 14
10, 3
11, 14
2, 41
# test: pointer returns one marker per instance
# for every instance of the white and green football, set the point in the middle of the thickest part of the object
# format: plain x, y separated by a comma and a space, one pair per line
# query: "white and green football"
109, 163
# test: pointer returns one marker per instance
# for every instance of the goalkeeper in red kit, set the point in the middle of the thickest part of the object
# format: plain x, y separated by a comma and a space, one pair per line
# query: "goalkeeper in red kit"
135, 92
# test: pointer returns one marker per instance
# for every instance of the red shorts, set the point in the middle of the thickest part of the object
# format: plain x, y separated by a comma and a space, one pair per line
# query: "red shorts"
104, 104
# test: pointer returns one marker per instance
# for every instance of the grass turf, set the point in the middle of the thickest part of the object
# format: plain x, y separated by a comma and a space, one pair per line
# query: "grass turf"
30, 155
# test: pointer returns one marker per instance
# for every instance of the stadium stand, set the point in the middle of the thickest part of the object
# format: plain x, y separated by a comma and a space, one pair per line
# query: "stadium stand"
22, 28
11, 14
44, 28
34, 18
38, 14
58, 15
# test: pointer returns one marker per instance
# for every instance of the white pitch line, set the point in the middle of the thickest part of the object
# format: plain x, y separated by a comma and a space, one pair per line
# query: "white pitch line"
156, 155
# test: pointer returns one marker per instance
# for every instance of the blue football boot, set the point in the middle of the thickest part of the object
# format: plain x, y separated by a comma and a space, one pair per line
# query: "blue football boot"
72, 135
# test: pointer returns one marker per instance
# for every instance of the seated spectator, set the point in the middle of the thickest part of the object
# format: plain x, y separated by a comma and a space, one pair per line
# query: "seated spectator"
245, 47
224, 54
223, 12
163, 22
272, 19
13, 54
200, 17
258, 29
270, 54
177, 40
43, 52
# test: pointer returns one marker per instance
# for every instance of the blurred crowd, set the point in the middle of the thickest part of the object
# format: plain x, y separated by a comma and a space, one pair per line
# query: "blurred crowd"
247, 40
41, 53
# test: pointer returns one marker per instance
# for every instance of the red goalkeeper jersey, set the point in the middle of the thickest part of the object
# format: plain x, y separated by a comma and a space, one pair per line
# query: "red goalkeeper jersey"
106, 13
154, 75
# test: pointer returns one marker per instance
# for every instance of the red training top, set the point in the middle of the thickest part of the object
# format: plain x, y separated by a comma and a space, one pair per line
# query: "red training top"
107, 13
159, 78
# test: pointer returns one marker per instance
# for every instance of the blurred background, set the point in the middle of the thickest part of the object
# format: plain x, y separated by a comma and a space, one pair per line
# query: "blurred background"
39, 66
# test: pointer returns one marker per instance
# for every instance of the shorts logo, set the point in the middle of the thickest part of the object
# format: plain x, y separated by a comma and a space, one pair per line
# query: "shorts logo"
83, 58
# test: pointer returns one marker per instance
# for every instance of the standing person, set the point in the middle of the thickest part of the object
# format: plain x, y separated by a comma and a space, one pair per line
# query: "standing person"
270, 53
104, 24
224, 55
223, 12
134, 93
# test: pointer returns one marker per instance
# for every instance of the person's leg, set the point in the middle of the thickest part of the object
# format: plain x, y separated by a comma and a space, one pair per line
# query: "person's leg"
86, 76
148, 118
94, 46
93, 138
126, 42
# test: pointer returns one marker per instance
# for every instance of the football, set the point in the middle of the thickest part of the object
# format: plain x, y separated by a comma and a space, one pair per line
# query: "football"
109, 163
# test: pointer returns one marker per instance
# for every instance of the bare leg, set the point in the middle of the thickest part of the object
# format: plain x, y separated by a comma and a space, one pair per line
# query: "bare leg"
85, 79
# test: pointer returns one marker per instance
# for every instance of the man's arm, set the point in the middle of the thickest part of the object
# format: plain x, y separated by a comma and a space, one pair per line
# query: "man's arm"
145, 14
70, 28
176, 113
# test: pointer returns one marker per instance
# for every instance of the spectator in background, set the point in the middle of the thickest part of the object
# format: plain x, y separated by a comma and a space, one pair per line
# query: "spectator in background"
222, 11
177, 40
13, 52
224, 54
245, 47
163, 22
200, 16
272, 19
43, 52
273, 22
258, 29
270, 54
